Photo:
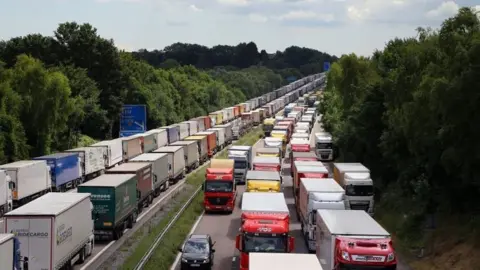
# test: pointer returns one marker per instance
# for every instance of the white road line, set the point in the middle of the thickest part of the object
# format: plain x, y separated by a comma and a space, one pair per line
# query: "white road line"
194, 227
96, 256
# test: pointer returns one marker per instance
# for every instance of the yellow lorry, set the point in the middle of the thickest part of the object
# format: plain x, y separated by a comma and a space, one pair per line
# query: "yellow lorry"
263, 181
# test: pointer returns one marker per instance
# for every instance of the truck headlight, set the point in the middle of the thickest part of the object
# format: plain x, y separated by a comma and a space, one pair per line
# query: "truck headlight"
184, 260
345, 256
390, 257
206, 260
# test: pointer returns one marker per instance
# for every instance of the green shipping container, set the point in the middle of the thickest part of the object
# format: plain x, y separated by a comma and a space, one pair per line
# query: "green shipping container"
114, 198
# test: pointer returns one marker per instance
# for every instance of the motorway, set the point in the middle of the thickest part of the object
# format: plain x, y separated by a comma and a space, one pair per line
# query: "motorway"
223, 228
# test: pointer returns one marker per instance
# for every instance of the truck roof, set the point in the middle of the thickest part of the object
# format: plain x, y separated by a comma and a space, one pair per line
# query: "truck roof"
240, 147
148, 157
129, 166
268, 150
313, 169
272, 139
237, 154
283, 261
264, 202
221, 163
300, 135
21, 164
321, 185
205, 132
308, 163
266, 160
56, 155
351, 167
106, 143
52, 203
157, 130
304, 154
351, 222
263, 175
109, 180
183, 143
4, 237
360, 176
195, 137
168, 149
299, 141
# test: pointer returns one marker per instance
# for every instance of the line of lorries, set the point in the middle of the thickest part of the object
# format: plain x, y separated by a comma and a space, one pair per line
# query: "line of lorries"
54, 207
335, 213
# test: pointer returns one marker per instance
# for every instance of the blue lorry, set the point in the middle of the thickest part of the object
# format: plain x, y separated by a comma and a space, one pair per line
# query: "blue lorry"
65, 170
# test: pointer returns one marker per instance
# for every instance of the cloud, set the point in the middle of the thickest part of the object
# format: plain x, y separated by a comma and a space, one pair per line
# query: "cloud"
444, 10
234, 2
258, 18
195, 8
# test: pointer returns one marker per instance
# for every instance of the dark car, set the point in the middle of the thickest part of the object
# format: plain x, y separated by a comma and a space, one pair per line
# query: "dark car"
197, 252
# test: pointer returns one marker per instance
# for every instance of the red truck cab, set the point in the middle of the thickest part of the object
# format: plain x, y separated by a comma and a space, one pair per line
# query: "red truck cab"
307, 169
219, 190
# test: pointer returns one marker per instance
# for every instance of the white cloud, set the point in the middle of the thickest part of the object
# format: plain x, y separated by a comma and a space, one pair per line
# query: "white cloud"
258, 18
300, 15
444, 10
195, 8
234, 2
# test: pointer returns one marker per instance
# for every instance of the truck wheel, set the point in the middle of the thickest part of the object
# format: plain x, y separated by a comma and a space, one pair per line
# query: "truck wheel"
150, 199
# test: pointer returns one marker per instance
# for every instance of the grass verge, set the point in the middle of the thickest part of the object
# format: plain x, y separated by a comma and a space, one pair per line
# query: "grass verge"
165, 254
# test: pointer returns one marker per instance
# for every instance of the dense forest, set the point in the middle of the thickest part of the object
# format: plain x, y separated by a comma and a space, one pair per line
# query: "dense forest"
60, 91
411, 114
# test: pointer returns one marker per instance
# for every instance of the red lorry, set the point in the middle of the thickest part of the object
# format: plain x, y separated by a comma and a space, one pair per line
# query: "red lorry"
301, 156
219, 187
206, 121
307, 169
265, 226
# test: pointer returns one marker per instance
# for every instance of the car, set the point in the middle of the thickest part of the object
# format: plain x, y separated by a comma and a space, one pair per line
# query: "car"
197, 252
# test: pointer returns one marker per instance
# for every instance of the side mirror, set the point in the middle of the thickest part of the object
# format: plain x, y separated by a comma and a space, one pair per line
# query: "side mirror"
11, 185
238, 242
291, 243
213, 250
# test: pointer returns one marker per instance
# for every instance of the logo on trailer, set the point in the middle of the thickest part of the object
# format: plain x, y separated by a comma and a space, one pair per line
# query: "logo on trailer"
264, 229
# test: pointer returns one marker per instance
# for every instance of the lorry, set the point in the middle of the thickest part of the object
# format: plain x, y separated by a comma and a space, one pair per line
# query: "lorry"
265, 226
301, 156
283, 261
315, 194
132, 147
216, 118
6, 203
192, 158
161, 136
213, 140
113, 151
263, 181
173, 133
149, 142
29, 179
184, 130
228, 132
324, 146
304, 136
114, 198
269, 152
267, 164
307, 169
145, 187
271, 142
176, 161
280, 134
351, 239
242, 155
355, 179
54, 231
92, 161
202, 146
268, 126
256, 117
192, 127
10, 253
299, 145
302, 127
160, 174
219, 189
207, 123
247, 120
65, 170
237, 128
221, 137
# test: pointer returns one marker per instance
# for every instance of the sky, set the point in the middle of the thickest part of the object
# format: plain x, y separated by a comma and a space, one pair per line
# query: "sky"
332, 26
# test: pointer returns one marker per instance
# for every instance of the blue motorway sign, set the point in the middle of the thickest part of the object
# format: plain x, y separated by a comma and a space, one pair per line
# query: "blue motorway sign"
133, 120
291, 78
326, 66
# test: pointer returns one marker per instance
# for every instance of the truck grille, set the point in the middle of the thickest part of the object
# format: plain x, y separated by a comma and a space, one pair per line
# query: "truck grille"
218, 201
363, 207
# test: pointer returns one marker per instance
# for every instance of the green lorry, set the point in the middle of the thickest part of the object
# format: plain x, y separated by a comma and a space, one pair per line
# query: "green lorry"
114, 198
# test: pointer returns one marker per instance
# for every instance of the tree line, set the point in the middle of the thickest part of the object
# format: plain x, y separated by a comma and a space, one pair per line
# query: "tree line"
410, 113
62, 91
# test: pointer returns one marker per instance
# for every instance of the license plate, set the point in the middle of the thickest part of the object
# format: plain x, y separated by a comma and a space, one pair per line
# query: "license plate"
194, 265
218, 207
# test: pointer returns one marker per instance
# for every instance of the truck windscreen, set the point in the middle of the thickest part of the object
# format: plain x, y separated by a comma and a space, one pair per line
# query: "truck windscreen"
254, 243
352, 190
324, 146
240, 164
218, 186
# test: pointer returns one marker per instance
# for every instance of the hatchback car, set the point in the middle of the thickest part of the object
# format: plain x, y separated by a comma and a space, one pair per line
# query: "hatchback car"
197, 252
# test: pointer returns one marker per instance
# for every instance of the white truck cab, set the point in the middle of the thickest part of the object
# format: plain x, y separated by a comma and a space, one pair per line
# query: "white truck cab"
324, 146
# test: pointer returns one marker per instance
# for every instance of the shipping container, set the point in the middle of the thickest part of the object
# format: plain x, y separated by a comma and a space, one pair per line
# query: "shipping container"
113, 151
132, 147
192, 158
145, 187
202, 146
65, 170
31, 179
54, 231
92, 160
176, 160
161, 136
173, 133
160, 166
114, 199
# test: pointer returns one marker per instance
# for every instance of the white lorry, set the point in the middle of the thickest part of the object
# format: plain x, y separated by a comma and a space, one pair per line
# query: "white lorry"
351, 239
10, 252
30, 179
176, 161
160, 173
355, 179
324, 146
92, 161
6, 202
283, 261
315, 194
113, 152
55, 231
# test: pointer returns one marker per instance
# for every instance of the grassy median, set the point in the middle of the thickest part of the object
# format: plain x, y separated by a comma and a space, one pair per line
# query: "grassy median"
166, 252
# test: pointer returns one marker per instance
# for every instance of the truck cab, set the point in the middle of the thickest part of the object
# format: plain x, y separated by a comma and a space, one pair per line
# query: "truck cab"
265, 226
219, 190
324, 146
268, 126
263, 181
355, 179
242, 156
